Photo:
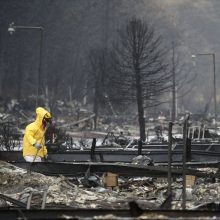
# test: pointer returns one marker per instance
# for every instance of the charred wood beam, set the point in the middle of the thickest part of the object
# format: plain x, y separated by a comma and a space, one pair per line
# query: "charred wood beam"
209, 147
158, 156
167, 203
13, 201
208, 206
214, 164
79, 169
188, 150
79, 213
79, 121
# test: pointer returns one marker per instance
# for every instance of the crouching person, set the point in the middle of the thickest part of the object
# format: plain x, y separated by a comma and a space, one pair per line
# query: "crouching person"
34, 149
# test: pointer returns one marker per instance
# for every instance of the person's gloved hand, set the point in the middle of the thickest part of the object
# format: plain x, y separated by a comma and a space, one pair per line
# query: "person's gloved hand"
37, 146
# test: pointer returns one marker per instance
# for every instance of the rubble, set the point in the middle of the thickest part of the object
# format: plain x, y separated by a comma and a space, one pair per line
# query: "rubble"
148, 193
142, 160
206, 192
18, 184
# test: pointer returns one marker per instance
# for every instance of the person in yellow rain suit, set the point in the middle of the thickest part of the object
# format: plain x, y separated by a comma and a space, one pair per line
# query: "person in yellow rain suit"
34, 149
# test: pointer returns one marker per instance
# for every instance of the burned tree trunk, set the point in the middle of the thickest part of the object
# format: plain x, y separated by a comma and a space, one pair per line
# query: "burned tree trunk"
140, 68
140, 107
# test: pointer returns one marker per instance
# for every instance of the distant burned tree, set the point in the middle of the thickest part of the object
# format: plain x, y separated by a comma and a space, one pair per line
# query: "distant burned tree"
98, 79
141, 67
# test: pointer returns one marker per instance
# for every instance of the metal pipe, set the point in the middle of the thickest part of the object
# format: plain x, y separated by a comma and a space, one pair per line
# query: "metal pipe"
214, 83
43, 205
189, 130
199, 132
203, 135
185, 125
29, 201
170, 141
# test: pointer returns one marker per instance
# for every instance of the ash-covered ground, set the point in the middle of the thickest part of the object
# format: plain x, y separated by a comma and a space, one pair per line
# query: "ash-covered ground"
61, 191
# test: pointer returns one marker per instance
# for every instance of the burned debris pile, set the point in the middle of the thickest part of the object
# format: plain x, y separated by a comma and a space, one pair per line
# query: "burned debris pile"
106, 191
109, 168
66, 192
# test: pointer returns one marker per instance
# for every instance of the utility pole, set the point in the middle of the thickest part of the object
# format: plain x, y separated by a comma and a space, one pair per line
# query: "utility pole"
214, 83
173, 116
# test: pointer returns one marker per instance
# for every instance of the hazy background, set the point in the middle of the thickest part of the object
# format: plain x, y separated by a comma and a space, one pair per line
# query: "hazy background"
73, 27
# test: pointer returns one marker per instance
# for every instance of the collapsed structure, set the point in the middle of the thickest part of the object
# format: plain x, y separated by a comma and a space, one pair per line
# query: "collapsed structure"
115, 175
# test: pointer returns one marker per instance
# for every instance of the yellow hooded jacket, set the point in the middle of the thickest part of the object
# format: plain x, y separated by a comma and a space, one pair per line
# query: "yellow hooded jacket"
35, 132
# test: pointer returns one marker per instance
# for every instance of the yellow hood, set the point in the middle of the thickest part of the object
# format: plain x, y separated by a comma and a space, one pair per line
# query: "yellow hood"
41, 112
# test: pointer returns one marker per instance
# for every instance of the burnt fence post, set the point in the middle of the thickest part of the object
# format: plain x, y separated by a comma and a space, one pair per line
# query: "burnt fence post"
92, 153
140, 147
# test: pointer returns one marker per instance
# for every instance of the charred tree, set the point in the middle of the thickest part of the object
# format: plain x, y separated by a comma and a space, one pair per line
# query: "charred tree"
140, 68
98, 79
